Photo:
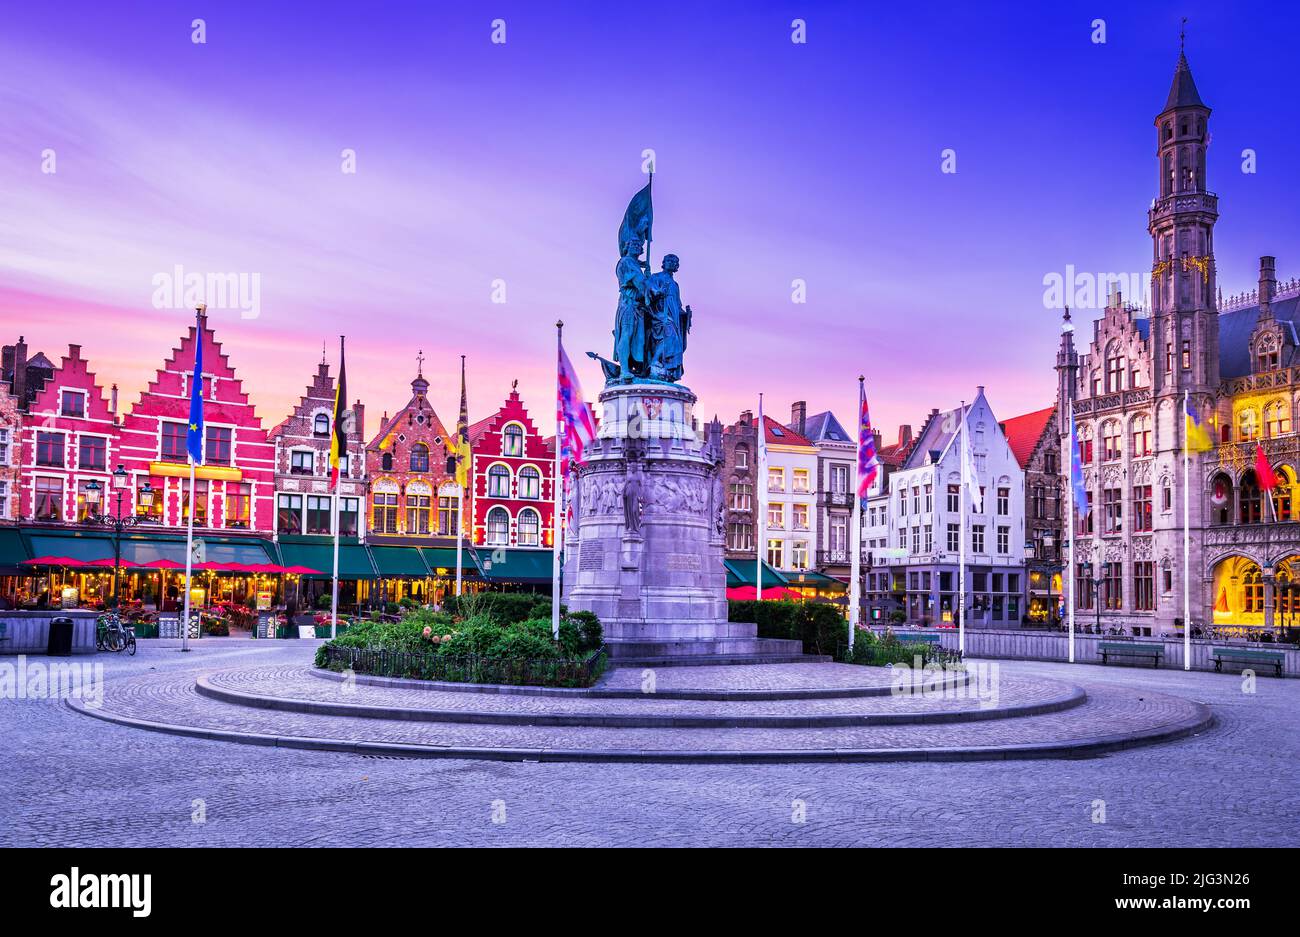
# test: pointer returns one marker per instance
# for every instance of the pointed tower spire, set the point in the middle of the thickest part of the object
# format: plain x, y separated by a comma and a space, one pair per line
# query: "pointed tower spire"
1183, 93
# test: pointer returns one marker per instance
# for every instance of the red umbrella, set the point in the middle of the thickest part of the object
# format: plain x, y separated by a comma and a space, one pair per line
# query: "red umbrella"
773, 593
163, 564
52, 561
107, 563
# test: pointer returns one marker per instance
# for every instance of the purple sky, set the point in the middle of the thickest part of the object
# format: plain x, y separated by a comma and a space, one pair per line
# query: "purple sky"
479, 162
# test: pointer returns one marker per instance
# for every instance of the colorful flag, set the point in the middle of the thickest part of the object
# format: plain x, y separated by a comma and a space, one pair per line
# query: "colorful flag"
1198, 437
194, 433
639, 217
1264, 473
461, 453
339, 434
1076, 472
868, 462
974, 491
572, 415
761, 454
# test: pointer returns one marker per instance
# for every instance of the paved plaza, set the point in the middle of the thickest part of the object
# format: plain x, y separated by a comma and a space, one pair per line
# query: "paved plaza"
80, 781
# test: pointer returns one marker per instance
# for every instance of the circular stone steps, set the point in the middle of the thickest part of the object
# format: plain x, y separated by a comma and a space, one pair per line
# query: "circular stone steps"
292, 707
296, 690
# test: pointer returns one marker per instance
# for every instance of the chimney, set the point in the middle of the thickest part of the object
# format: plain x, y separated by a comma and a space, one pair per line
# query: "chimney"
112, 401
747, 417
905, 432
359, 415
74, 352
1267, 285
20, 373
799, 416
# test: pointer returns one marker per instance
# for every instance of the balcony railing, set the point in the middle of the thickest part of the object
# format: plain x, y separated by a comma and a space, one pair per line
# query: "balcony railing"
1183, 201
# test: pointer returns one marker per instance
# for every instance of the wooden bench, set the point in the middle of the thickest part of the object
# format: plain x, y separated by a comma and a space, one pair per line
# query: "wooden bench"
1134, 649
1247, 656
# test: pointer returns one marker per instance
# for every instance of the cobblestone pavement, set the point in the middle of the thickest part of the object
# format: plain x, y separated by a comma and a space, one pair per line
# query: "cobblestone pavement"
75, 781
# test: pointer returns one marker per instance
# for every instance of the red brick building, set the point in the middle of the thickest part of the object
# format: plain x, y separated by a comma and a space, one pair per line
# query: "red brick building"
235, 485
511, 499
412, 495
70, 437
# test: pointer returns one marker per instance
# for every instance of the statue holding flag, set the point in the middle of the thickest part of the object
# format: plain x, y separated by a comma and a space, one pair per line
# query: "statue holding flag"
650, 324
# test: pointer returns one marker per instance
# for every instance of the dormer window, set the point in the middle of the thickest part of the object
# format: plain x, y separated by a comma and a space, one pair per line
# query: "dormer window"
321, 425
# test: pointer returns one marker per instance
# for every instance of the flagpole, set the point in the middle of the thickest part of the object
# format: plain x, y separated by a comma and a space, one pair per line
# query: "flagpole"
1187, 534
460, 532
760, 518
855, 535
961, 542
557, 492
1073, 522
461, 471
334, 590
189, 558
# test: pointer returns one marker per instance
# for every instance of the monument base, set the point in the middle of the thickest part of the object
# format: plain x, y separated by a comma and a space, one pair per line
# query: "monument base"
644, 547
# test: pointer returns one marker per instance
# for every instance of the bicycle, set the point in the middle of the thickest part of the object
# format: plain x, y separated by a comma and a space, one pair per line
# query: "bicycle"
112, 635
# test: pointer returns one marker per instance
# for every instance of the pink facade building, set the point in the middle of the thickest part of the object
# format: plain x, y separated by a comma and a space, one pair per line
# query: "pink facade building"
511, 495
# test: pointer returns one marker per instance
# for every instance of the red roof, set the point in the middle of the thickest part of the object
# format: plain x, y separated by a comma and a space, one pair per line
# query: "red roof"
782, 435
1023, 433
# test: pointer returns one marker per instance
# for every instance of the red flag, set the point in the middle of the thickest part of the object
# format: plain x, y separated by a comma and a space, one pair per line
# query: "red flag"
1263, 471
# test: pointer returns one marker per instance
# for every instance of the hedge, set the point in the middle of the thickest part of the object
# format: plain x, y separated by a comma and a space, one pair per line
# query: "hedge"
821, 627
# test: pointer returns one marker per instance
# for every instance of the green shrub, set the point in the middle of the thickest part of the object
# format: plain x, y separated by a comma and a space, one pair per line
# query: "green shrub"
821, 627
505, 607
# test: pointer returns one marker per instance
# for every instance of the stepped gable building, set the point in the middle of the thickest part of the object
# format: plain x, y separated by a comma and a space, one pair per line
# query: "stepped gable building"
925, 531
511, 501
1035, 441
1236, 361
70, 438
303, 500
235, 485
837, 454
412, 491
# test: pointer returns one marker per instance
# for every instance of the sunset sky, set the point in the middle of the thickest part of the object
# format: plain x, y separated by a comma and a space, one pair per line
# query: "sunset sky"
479, 162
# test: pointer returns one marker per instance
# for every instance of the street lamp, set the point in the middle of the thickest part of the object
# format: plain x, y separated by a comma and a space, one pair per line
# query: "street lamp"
1096, 598
116, 522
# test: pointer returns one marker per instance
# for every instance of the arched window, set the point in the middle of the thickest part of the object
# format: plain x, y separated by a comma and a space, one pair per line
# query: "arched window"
1282, 494
530, 483
1247, 425
530, 528
1141, 435
498, 527
498, 482
1110, 440
1277, 419
512, 440
1252, 504
321, 425
1115, 368
1221, 499
386, 461
419, 457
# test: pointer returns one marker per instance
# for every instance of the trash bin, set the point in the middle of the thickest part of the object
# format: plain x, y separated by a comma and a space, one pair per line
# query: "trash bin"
59, 643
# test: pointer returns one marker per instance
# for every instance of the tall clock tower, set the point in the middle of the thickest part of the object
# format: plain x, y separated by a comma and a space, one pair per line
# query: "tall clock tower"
1185, 326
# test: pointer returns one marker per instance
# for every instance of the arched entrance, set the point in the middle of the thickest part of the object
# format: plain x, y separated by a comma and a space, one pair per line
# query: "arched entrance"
1238, 593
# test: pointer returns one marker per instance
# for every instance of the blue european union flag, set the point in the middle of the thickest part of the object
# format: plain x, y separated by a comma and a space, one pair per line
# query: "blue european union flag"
194, 436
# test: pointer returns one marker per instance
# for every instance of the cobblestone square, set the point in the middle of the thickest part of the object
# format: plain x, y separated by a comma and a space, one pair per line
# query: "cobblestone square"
78, 781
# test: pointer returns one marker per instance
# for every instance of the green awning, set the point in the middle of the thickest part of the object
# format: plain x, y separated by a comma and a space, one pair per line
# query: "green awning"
518, 565
445, 558
139, 547
741, 573
12, 550
811, 577
318, 553
399, 561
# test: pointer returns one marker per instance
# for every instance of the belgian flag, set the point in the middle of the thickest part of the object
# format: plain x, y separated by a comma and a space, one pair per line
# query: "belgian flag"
339, 436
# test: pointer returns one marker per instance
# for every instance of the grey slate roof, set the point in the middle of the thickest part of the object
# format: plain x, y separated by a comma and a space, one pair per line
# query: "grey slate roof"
1183, 93
1235, 328
823, 427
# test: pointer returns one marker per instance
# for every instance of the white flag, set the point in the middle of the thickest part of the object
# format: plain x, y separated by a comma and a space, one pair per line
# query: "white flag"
972, 476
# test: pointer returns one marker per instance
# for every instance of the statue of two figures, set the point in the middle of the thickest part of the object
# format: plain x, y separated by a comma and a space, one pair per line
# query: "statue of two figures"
650, 324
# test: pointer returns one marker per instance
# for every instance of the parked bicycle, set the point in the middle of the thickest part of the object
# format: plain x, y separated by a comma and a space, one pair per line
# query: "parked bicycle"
112, 635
